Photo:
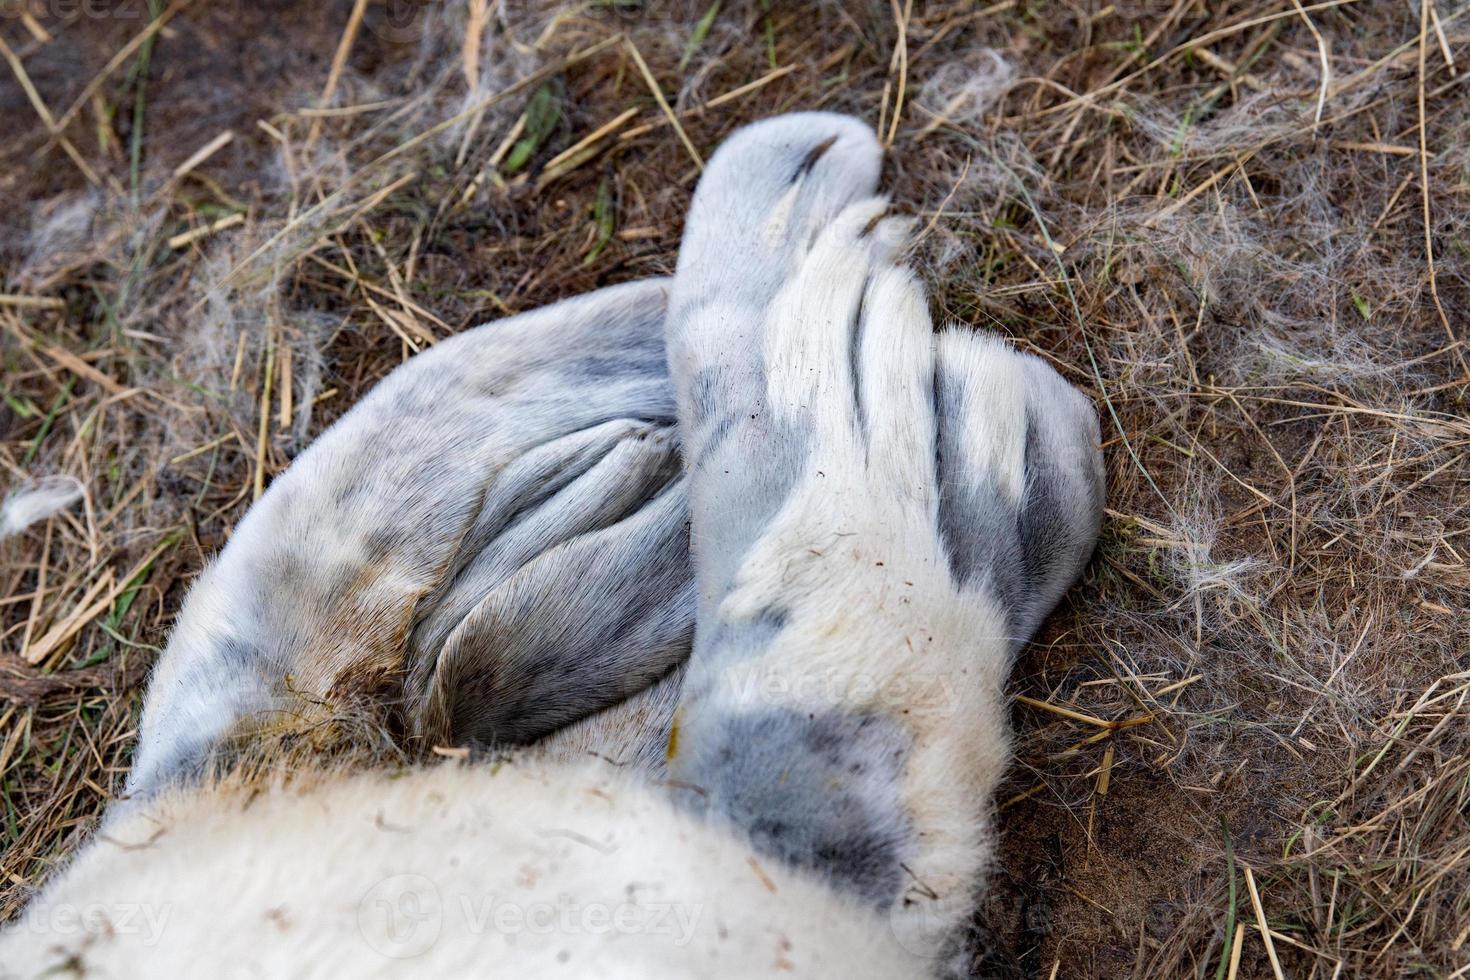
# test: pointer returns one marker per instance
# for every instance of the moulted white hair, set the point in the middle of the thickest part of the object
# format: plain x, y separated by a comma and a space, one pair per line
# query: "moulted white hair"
35, 500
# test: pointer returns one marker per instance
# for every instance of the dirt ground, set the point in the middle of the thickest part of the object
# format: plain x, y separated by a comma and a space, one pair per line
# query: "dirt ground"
1242, 227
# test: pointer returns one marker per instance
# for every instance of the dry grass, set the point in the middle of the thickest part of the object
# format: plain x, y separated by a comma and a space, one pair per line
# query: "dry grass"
1242, 742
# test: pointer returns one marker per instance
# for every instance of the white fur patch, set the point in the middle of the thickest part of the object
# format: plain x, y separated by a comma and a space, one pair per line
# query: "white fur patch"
35, 501
995, 396
518, 870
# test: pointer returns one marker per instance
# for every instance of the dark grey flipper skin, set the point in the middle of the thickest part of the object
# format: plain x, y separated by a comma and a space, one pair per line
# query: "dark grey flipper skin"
496, 534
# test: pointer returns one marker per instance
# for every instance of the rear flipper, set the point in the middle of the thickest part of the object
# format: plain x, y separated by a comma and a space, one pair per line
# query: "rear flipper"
879, 521
581, 605
472, 526
768, 191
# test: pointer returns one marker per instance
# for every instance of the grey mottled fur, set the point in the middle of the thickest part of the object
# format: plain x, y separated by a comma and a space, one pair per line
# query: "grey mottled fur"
496, 533
826, 782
